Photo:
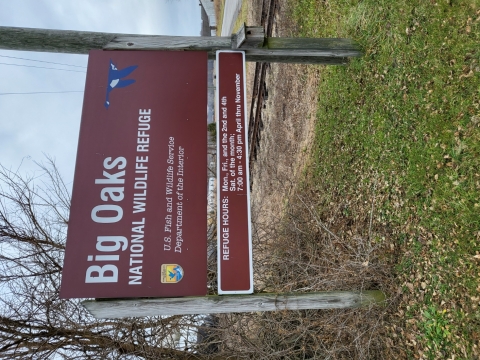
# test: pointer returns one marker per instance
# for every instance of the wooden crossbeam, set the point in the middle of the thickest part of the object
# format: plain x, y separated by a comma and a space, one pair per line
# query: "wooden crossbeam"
118, 308
250, 39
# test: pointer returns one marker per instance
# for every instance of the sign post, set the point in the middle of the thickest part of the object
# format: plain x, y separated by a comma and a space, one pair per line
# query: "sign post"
234, 238
128, 235
252, 40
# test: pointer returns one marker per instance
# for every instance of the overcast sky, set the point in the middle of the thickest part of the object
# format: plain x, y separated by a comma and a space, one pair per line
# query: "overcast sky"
34, 124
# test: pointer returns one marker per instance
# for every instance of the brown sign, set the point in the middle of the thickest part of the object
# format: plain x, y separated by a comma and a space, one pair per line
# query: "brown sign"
235, 273
137, 224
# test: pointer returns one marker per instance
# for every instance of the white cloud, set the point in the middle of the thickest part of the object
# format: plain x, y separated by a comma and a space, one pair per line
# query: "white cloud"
31, 125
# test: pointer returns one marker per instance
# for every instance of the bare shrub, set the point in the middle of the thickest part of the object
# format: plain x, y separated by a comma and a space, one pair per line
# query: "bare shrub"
298, 252
302, 239
34, 322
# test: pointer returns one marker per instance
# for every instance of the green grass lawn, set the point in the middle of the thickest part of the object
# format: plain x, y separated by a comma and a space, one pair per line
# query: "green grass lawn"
399, 130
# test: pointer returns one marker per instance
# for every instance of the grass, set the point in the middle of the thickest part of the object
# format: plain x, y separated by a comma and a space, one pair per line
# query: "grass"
241, 19
398, 143
219, 7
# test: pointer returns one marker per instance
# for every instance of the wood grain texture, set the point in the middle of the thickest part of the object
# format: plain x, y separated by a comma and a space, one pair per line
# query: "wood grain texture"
81, 42
332, 53
255, 37
46, 40
251, 39
273, 58
313, 47
239, 38
106, 309
160, 42
248, 37
311, 43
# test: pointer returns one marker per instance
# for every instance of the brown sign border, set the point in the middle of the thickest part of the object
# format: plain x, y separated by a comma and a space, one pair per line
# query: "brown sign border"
248, 290
101, 259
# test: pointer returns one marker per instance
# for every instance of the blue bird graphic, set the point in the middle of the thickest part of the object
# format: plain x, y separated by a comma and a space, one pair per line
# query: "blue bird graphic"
115, 79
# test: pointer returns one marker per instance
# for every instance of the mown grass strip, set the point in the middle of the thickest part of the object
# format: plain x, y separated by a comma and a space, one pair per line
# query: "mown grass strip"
219, 9
242, 17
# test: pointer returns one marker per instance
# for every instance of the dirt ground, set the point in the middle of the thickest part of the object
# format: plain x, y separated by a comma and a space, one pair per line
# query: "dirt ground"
288, 119
292, 249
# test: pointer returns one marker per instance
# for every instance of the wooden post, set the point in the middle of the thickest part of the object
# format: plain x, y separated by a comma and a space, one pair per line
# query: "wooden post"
257, 48
251, 39
248, 37
81, 42
115, 308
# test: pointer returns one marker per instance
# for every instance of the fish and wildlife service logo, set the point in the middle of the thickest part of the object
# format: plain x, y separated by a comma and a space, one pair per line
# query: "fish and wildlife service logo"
171, 273
116, 79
